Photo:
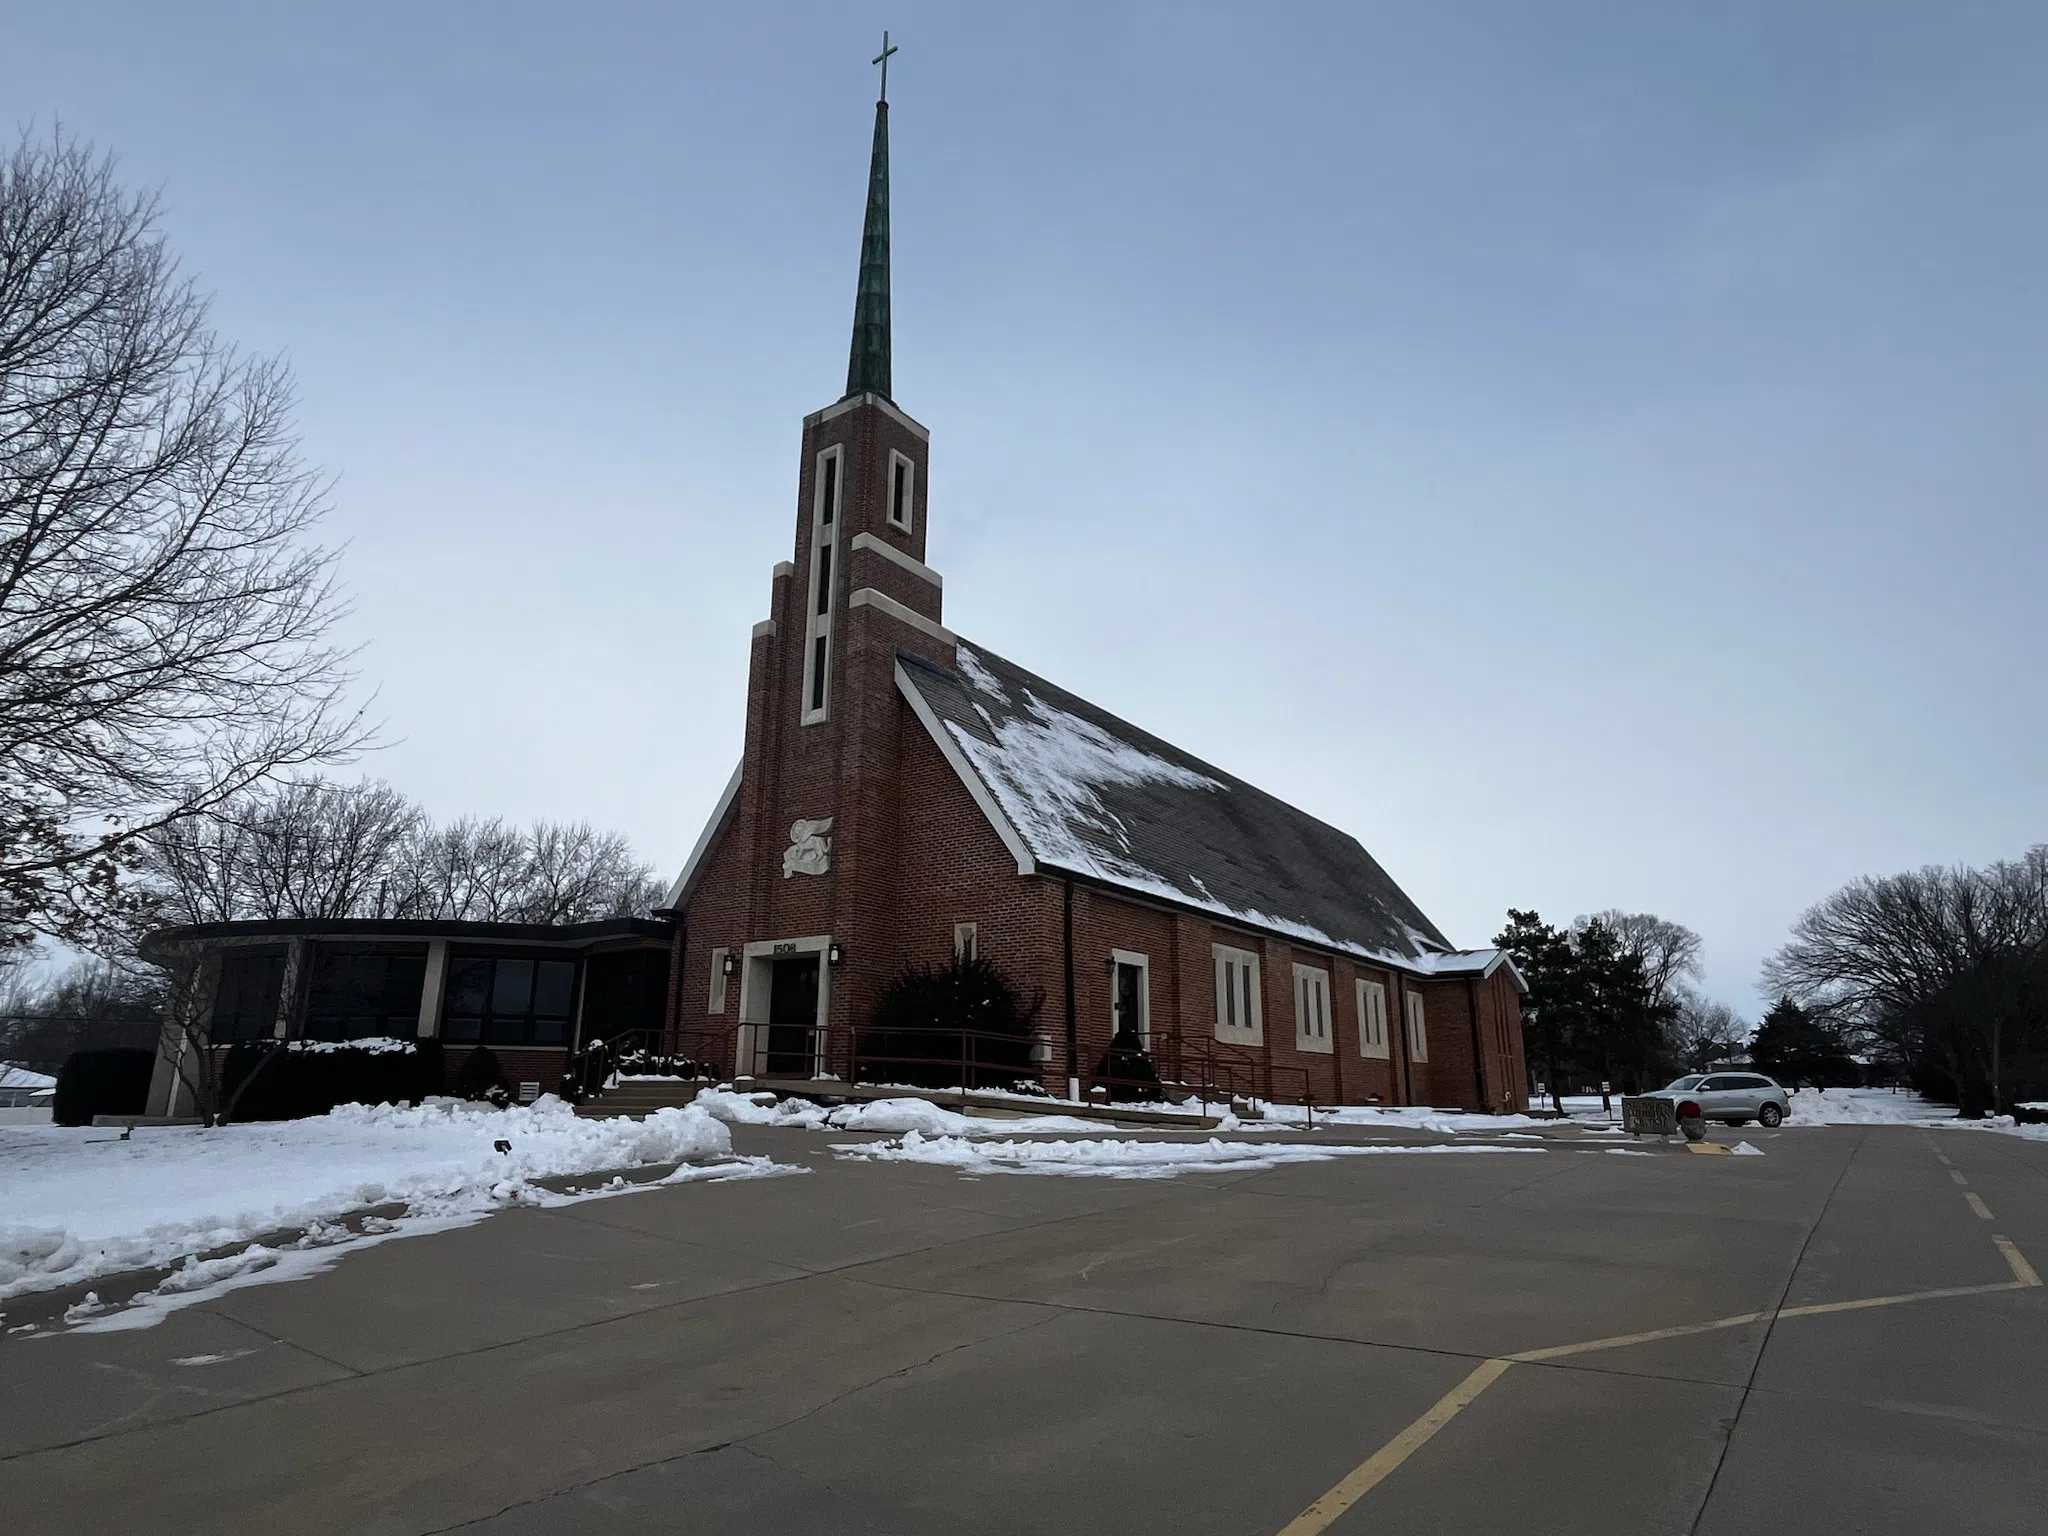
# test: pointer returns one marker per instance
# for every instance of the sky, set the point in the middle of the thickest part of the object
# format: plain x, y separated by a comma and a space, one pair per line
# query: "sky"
1591, 452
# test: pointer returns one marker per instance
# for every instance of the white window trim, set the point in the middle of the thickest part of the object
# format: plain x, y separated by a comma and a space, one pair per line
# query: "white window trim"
966, 941
1312, 1006
1418, 1028
1372, 1020
1143, 965
718, 980
908, 524
818, 625
1250, 1030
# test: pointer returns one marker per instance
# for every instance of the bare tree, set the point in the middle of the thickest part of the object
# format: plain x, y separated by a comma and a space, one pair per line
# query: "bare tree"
1948, 966
1669, 952
163, 615
1704, 1032
472, 870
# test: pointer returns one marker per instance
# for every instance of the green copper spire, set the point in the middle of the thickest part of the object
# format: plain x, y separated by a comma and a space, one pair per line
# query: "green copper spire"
867, 365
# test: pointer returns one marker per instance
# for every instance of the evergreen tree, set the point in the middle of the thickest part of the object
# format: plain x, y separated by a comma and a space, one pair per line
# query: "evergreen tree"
1800, 1050
1553, 1012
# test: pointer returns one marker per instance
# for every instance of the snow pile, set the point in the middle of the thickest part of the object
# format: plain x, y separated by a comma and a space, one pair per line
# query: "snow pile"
79, 1203
1744, 1149
890, 1116
1124, 1159
1865, 1106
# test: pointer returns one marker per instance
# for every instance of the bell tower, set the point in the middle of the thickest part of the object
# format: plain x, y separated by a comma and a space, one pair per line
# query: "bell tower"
819, 800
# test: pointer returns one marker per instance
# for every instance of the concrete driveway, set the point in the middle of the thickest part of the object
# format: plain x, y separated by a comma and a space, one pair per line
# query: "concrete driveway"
1564, 1342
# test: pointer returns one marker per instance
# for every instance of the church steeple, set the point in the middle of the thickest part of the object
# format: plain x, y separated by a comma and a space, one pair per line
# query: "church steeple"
867, 364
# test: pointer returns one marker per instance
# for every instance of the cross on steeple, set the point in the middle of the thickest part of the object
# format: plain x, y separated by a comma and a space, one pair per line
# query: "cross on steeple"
882, 59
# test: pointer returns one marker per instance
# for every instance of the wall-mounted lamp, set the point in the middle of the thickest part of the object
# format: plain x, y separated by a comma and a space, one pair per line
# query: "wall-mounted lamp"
835, 954
732, 965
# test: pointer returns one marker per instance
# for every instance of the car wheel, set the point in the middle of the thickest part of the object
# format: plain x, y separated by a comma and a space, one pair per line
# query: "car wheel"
1770, 1116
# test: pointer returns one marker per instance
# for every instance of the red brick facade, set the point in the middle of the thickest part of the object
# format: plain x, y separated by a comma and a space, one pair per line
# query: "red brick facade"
912, 855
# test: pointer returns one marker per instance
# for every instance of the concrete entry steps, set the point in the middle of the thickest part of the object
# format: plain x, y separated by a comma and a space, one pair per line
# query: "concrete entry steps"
642, 1096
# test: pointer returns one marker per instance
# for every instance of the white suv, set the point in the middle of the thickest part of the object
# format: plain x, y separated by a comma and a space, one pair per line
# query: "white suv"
1734, 1097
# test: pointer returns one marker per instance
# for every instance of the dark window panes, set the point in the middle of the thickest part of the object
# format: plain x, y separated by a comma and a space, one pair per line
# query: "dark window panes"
463, 1027
897, 510
550, 1031
512, 992
469, 986
818, 673
246, 1001
831, 488
357, 995
554, 987
824, 578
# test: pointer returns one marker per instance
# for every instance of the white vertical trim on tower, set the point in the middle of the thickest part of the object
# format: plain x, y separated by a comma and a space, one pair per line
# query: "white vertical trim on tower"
828, 495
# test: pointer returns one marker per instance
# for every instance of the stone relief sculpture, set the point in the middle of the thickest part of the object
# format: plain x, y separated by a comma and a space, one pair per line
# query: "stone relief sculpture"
810, 848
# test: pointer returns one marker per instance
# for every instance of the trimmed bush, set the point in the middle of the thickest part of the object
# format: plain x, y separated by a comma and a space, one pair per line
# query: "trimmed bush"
295, 1079
481, 1078
1127, 1071
104, 1082
915, 1031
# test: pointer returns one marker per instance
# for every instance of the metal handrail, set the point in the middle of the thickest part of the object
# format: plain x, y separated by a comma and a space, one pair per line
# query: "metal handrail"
970, 1060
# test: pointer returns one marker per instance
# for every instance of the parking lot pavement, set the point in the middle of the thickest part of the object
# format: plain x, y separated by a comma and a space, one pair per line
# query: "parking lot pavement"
1325, 1346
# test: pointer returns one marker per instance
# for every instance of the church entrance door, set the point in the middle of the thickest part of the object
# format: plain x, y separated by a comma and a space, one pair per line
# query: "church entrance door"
792, 1017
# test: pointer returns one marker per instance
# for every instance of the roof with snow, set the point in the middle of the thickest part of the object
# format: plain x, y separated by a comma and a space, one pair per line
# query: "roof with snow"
21, 1077
1094, 796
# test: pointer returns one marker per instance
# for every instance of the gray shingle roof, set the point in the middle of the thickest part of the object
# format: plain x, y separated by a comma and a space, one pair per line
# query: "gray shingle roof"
1095, 796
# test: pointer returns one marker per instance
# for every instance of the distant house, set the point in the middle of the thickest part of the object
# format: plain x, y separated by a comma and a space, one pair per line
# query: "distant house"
23, 1089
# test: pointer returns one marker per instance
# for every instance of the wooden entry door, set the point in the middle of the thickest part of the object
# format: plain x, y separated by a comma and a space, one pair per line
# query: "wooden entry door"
792, 1017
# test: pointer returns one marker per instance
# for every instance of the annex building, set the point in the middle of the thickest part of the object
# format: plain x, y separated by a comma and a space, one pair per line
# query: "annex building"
906, 795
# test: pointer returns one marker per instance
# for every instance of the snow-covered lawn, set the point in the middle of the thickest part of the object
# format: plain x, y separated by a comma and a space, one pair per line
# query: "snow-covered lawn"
79, 1204
1881, 1106
1113, 1159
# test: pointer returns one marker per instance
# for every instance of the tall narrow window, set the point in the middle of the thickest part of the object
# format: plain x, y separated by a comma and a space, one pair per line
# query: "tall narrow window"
824, 537
902, 485
1372, 1019
1237, 995
1311, 1009
966, 941
1418, 1029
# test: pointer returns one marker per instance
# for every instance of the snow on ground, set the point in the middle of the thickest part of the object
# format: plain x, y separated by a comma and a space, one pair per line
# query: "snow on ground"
890, 1116
1881, 1106
1104, 1158
1449, 1122
79, 1204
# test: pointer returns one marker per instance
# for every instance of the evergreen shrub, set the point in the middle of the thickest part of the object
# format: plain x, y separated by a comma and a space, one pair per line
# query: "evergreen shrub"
296, 1079
482, 1078
916, 1028
113, 1081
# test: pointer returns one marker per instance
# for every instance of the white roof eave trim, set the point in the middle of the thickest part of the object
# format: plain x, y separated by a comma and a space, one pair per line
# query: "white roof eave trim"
681, 888
957, 760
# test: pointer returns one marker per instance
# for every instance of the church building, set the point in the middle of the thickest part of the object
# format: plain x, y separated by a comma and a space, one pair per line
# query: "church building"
906, 796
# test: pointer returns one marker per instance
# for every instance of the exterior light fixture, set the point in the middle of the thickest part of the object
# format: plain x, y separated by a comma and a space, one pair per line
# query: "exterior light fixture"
732, 965
835, 954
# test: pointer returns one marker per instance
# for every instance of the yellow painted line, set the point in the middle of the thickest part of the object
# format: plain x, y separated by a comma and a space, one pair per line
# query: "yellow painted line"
1957, 1176
1623, 1340
1821, 1308
1708, 1147
2022, 1271
1977, 1204
1375, 1469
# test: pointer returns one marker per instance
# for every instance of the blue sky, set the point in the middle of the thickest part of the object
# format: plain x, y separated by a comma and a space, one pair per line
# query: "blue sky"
1591, 452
